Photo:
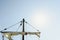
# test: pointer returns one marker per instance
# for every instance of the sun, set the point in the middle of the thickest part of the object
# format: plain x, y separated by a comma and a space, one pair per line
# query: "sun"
39, 19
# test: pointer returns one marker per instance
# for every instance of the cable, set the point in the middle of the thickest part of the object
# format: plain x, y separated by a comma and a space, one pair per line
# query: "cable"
31, 26
1, 26
19, 27
10, 26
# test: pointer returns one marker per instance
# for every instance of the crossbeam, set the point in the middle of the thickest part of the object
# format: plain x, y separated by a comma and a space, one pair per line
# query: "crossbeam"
7, 33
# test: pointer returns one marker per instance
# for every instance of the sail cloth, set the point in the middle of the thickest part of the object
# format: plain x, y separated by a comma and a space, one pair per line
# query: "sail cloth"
8, 34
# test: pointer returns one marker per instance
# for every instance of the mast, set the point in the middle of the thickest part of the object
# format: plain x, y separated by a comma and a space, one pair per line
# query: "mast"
8, 34
23, 29
2, 37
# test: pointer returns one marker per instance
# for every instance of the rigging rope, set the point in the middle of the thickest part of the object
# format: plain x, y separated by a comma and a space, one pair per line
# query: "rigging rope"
10, 26
32, 26
18, 27
1, 26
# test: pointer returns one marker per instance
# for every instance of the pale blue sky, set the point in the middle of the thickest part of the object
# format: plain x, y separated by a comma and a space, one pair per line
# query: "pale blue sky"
12, 11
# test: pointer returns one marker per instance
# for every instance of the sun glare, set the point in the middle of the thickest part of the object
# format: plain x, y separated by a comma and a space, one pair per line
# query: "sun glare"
39, 19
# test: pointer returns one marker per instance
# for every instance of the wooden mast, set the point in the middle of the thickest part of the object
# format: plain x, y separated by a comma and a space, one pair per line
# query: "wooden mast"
23, 29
